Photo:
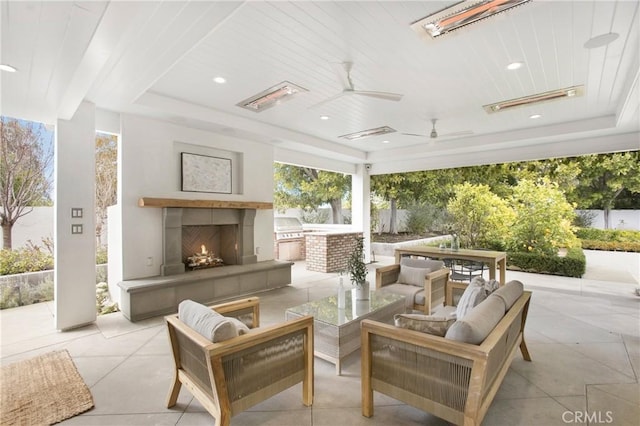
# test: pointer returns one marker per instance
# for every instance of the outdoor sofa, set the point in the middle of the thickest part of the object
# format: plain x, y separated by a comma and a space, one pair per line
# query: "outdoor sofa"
454, 375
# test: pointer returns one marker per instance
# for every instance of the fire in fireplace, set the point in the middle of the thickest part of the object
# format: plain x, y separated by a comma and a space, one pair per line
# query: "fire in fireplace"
204, 259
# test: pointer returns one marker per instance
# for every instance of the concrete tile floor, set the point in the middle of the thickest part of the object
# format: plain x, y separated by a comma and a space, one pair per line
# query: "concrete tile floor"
583, 336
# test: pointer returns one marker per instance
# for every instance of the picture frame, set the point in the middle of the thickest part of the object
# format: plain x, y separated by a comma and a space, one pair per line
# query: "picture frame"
203, 173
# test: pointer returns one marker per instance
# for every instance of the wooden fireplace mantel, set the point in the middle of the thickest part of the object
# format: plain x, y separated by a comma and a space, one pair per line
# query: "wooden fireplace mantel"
203, 204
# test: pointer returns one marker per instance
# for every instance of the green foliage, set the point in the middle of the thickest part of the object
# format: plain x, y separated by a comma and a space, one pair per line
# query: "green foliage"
417, 220
584, 218
603, 178
28, 259
609, 239
101, 255
24, 290
356, 267
306, 188
104, 304
544, 218
479, 216
572, 265
314, 216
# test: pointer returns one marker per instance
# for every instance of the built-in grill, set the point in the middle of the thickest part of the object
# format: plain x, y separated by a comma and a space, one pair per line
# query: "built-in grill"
287, 228
289, 238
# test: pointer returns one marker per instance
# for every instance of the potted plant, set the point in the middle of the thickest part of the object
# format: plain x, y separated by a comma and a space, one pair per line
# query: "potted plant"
358, 270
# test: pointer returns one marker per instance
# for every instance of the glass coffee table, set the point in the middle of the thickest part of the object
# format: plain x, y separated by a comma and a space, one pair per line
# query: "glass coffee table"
337, 331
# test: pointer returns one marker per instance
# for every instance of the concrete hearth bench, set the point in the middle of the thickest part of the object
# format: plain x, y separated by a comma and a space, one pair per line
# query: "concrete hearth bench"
149, 297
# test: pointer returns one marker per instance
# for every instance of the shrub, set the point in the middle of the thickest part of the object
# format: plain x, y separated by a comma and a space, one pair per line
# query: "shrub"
314, 216
101, 255
544, 218
572, 265
422, 218
28, 259
609, 239
478, 215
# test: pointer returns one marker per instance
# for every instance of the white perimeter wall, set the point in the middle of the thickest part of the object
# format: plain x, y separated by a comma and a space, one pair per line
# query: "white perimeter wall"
34, 226
149, 159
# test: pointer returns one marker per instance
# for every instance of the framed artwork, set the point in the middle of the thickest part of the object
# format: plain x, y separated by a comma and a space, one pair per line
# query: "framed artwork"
202, 173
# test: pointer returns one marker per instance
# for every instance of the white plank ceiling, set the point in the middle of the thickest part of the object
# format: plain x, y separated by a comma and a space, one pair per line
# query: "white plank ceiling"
159, 59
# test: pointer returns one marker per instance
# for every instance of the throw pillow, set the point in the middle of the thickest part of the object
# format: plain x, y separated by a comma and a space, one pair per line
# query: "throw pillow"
472, 296
413, 276
239, 325
430, 324
206, 321
489, 286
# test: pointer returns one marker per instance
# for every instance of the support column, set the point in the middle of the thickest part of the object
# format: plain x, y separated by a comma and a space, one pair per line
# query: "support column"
74, 220
361, 206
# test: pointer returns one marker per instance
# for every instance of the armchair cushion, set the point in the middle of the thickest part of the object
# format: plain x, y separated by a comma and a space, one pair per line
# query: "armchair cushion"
476, 326
472, 296
430, 324
206, 321
413, 271
413, 294
412, 276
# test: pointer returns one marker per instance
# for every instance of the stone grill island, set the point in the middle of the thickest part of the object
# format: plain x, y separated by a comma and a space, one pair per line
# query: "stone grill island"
226, 229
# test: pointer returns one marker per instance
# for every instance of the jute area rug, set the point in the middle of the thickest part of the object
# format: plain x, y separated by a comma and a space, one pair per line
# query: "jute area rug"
42, 391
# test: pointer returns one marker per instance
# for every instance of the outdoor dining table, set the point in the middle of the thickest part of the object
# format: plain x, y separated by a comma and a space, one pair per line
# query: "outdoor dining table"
494, 259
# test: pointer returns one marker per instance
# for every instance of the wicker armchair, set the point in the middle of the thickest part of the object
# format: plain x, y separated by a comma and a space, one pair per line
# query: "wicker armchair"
230, 376
424, 298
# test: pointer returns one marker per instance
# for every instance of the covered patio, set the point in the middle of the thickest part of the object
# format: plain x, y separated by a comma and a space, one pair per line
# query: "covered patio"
583, 336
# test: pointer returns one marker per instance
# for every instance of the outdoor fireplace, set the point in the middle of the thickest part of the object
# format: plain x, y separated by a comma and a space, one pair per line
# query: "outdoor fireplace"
195, 238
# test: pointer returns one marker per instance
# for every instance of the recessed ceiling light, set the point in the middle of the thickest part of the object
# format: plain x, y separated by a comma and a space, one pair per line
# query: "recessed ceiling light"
220, 80
514, 66
7, 68
324, 117
386, 141
534, 116
601, 40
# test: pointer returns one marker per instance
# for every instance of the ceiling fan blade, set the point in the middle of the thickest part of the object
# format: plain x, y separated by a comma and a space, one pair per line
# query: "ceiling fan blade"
332, 98
414, 134
454, 134
380, 95
343, 70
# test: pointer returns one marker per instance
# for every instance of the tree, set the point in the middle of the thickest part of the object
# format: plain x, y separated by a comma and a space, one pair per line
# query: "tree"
106, 179
24, 163
604, 178
479, 216
308, 188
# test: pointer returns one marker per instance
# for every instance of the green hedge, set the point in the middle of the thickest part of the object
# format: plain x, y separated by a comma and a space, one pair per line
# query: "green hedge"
609, 239
24, 260
572, 265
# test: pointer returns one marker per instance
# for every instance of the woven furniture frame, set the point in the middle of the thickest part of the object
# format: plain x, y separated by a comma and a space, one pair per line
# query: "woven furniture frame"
434, 285
336, 339
231, 376
452, 380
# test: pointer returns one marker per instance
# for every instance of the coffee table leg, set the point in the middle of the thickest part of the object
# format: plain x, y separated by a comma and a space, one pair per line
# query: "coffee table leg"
338, 368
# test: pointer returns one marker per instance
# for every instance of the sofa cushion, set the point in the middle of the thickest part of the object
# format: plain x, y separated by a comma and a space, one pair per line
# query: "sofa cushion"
472, 296
477, 324
206, 321
509, 293
424, 323
240, 326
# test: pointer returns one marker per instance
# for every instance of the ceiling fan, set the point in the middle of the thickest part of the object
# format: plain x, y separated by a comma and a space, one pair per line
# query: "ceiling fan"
343, 71
435, 135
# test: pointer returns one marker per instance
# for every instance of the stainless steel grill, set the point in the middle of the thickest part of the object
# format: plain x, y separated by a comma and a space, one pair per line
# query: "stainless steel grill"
287, 228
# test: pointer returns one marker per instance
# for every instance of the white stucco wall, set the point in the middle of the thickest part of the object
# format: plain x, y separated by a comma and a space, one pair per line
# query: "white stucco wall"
149, 160
34, 226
